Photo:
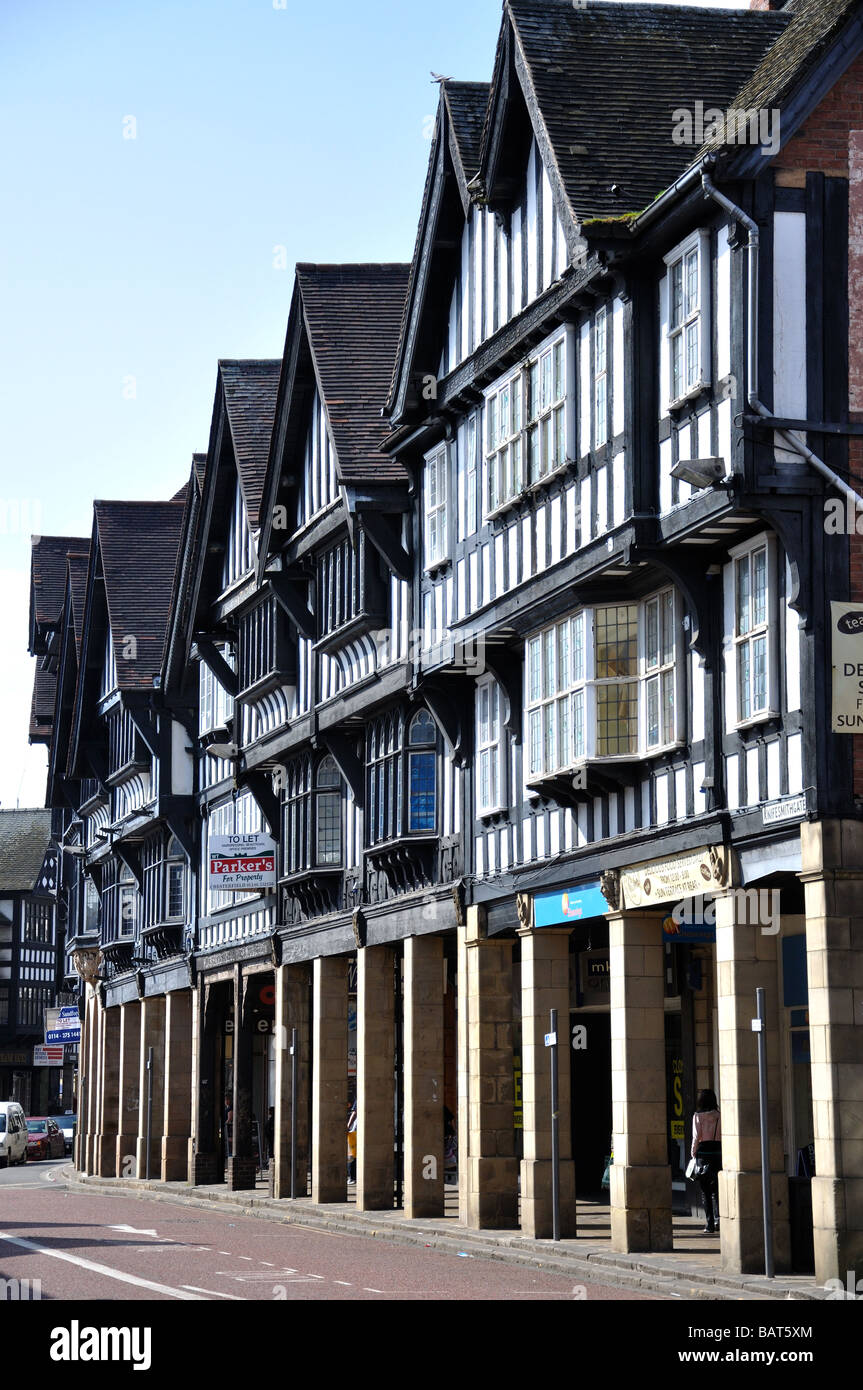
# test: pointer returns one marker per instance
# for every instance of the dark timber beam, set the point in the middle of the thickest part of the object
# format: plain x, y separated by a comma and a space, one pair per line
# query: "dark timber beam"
290, 598
131, 857
343, 749
212, 657
146, 727
384, 537
260, 785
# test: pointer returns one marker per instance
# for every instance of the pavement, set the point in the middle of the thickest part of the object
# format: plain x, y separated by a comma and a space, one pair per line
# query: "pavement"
691, 1272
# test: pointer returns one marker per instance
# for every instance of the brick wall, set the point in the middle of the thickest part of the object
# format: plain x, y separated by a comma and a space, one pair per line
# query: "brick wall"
821, 143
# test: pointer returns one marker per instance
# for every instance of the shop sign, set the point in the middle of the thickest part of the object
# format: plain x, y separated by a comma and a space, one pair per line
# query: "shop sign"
594, 972
670, 880
242, 863
569, 905
14, 1059
681, 933
846, 624
47, 1056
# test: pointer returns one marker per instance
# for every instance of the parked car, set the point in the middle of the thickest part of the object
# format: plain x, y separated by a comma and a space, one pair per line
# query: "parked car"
66, 1125
44, 1139
13, 1133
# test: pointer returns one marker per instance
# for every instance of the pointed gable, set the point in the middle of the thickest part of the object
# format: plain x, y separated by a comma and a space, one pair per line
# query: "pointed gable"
138, 544
352, 315
602, 83
250, 389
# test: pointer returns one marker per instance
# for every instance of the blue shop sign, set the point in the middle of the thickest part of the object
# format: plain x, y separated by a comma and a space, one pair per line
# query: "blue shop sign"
688, 931
569, 905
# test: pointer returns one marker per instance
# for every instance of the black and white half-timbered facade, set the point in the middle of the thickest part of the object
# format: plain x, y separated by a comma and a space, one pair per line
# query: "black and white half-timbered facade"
489, 672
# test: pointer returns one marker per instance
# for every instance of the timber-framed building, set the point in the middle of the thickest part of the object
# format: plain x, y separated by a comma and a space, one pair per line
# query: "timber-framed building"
499, 610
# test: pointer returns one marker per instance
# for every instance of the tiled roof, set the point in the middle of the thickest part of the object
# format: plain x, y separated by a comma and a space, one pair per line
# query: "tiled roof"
353, 314
78, 568
48, 573
24, 838
138, 542
42, 703
199, 464
250, 400
607, 78
795, 52
467, 103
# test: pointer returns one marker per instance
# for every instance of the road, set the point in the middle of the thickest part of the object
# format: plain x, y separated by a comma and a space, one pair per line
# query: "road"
93, 1246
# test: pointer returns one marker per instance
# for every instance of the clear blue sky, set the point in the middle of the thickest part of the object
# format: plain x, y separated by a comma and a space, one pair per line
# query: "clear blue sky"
129, 266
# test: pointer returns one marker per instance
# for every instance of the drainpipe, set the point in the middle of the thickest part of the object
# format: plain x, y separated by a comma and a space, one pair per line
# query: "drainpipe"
752, 251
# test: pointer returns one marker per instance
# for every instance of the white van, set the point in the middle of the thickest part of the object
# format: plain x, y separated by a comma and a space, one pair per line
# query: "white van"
13, 1133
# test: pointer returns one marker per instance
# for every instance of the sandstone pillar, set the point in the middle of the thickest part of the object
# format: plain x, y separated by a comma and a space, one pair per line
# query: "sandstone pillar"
545, 986
832, 873
129, 1081
292, 1011
746, 958
640, 1173
152, 1035
109, 1093
177, 1114
329, 1079
424, 1076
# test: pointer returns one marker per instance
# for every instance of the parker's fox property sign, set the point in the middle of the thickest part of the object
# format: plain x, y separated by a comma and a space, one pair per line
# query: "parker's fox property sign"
242, 863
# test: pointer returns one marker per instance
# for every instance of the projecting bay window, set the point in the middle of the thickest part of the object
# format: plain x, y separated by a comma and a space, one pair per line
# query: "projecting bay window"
120, 904
264, 657
490, 792
436, 490
125, 748
688, 317
164, 877
312, 816
526, 425
604, 683
350, 595
216, 706
402, 781
754, 587
328, 814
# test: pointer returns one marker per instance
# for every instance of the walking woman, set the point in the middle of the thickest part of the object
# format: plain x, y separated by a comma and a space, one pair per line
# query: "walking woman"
707, 1152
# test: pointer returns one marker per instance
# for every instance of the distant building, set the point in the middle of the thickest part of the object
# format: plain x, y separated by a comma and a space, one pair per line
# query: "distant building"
29, 962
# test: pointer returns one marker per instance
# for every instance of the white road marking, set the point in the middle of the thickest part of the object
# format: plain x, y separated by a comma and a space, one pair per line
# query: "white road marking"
224, 1252
99, 1268
268, 1264
344, 1282
244, 1257
372, 1290
212, 1293
133, 1231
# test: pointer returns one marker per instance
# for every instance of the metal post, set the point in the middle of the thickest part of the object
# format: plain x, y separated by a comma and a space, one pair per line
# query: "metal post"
555, 1130
293, 1113
759, 1026
149, 1105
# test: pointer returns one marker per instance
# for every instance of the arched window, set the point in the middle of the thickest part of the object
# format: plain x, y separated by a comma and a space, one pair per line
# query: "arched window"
328, 813
422, 772
175, 882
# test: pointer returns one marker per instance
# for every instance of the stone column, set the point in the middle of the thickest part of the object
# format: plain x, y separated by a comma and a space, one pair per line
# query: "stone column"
177, 1113
79, 1143
832, 872
375, 1080
746, 958
292, 1011
152, 1035
545, 986
109, 1097
424, 1076
242, 1163
88, 1147
128, 1084
640, 1173
488, 1168
330, 1079
204, 1166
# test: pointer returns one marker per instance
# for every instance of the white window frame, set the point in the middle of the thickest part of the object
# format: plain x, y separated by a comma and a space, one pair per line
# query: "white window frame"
537, 438
471, 473
658, 672
565, 682
695, 322
490, 763
764, 631
435, 476
601, 377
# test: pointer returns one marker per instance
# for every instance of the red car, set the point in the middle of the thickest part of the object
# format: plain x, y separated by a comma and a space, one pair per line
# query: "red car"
44, 1139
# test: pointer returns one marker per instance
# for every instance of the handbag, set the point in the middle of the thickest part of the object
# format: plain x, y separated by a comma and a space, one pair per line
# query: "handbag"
690, 1168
